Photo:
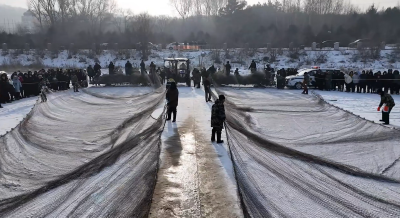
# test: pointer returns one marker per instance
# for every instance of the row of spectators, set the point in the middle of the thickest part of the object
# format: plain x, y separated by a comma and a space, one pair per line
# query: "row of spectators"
23, 85
360, 82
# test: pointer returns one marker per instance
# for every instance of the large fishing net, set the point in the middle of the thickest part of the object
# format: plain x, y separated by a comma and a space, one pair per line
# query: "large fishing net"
296, 156
93, 154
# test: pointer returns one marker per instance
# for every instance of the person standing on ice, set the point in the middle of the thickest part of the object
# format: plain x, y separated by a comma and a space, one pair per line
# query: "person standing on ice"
306, 81
111, 68
387, 100
128, 68
142, 67
253, 66
152, 67
228, 68
207, 89
172, 97
349, 80
90, 72
97, 68
74, 81
17, 87
217, 119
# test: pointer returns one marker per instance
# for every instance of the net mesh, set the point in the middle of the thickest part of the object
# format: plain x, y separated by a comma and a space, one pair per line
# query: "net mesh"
300, 156
89, 154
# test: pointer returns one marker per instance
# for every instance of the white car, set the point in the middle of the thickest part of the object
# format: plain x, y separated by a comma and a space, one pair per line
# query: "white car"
174, 45
297, 80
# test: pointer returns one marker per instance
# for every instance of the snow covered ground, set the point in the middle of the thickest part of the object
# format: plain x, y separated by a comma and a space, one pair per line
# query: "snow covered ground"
362, 104
13, 113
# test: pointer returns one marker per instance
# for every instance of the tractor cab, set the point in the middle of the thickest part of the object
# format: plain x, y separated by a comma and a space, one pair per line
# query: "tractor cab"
179, 69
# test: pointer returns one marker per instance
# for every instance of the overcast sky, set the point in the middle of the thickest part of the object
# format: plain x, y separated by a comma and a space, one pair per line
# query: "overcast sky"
156, 7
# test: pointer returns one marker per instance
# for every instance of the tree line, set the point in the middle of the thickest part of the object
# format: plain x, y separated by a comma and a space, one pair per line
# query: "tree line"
211, 22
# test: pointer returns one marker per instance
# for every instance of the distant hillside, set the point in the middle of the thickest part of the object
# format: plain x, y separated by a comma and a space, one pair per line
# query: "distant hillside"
10, 16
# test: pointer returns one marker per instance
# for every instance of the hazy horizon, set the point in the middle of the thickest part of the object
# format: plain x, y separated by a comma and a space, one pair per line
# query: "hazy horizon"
163, 7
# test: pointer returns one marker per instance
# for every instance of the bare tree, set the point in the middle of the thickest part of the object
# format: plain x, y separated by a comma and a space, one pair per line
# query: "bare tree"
198, 7
212, 7
36, 9
161, 23
183, 7
121, 19
143, 25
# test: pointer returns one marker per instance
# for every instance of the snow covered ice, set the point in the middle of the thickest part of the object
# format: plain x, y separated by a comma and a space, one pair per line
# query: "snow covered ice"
107, 151
362, 104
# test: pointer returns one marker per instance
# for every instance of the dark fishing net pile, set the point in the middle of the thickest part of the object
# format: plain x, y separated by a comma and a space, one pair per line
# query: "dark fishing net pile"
89, 154
295, 156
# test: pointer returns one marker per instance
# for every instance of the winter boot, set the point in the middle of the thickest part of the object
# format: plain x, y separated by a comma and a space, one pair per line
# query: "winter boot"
174, 116
385, 117
219, 141
213, 135
169, 114
1, 106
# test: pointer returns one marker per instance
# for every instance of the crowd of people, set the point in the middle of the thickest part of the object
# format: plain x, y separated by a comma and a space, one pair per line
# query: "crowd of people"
24, 85
359, 82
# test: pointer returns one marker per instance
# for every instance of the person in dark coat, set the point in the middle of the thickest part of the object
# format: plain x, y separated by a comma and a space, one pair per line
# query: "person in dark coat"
217, 119
128, 68
306, 81
97, 68
90, 72
162, 75
388, 101
207, 89
253, 66
389, 82
328, 80
341, 81
363, 82
396, 82
212, 70
378, 81
4, 86
111, 68
172, 97
228, 68
152, 67
196, 77
370, 82
142, 67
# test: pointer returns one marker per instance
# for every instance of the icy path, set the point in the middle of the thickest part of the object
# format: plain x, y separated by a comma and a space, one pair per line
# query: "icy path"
195, 176
13, 113
362, 104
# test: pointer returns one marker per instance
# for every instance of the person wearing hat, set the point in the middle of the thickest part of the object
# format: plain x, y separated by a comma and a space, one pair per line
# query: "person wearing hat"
218, 118
387, 100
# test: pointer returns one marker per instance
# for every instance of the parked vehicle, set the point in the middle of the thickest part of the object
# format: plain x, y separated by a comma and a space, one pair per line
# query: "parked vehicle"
297, 80
173, 45
180, 69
